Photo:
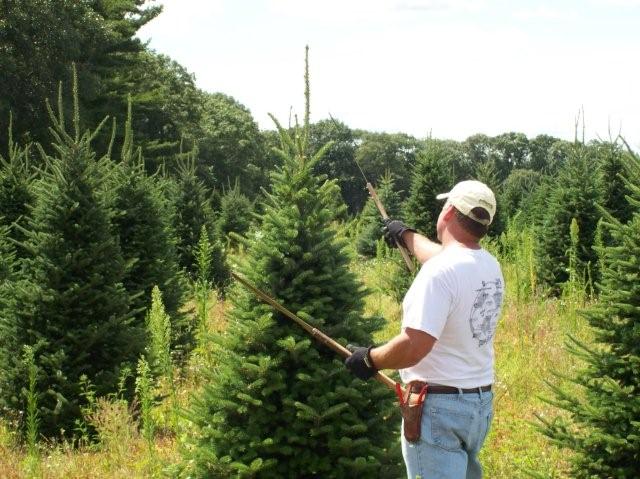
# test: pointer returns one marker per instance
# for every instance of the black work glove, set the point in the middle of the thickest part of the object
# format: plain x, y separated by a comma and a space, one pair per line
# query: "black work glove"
359, 363
393, 231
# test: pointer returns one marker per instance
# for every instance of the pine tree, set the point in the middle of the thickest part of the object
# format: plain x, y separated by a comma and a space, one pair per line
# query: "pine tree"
432, 175
144, 224
70, 305
193, 211
15, 181
604, 415
574, 195
7, 255
235, 215
370, 231
277, 404
517, 192
611, 162
490, 173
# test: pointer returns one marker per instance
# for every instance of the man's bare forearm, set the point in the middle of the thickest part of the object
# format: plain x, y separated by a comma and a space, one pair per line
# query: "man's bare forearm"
402, 351
420, 246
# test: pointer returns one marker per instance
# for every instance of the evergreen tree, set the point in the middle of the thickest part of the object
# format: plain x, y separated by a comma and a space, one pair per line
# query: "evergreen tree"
277, 404
143, 223
534, 209
7, 255
432, 175
517, 190
15, 192
611, 161
70, 305
193, 211
8, 348
490, 173
574, 195
370, 231
7, 278
236, 211
602, 423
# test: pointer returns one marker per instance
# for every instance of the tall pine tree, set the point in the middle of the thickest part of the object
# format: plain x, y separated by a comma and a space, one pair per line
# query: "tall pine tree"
611, 162
370, 221
144, 224
431, 175
15, 181
193, 211
603, 419
573, 195
236, 214
69, 303
277, 404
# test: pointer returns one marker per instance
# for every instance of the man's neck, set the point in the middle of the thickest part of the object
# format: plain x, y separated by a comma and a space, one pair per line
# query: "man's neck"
449, 239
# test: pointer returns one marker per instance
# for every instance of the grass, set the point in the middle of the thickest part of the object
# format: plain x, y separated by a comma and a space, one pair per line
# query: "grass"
529, 346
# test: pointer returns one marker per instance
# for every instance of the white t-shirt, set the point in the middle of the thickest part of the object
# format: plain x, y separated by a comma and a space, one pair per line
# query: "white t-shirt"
456, 298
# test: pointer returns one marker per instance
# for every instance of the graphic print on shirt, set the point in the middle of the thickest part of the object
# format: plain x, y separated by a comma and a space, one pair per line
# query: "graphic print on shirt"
484, 314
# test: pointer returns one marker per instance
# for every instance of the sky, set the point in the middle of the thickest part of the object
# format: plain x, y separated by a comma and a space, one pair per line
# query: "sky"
445, 68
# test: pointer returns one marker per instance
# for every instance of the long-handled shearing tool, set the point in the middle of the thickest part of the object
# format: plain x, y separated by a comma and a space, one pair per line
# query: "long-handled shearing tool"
316, 333
383, 212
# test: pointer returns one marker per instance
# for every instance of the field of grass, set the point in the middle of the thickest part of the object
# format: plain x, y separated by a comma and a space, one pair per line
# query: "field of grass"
529, 346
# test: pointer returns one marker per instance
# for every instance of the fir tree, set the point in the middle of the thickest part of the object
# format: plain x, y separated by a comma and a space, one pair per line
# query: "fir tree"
371, 222
574, 195
15, 180
432, 175
143, 222
517, 191
70, 305
489, 173
277, 404
611, 162
603, 417
7, 255
235, 215
8, 267
193, 211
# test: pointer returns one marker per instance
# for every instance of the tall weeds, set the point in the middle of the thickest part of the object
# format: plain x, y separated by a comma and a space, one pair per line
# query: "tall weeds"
202, 286
159, 335
515, 248
33, 420
144, 390
159, 353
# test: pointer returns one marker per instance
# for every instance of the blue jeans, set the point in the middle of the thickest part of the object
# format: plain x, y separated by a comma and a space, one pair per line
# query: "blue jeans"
454, 426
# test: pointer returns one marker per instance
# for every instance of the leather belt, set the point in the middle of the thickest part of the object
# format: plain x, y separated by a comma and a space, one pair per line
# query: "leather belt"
416, 387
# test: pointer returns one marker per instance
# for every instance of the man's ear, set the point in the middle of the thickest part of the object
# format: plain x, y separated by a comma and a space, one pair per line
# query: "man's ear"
449, 212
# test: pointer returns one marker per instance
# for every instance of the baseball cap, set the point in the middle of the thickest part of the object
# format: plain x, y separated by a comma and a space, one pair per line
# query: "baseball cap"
470, 194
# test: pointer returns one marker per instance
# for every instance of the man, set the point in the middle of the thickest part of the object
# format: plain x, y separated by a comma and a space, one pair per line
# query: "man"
446, 341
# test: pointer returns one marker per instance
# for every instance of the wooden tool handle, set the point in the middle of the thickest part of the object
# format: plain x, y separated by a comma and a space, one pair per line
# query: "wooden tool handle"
383, 212
337, 347
315, 332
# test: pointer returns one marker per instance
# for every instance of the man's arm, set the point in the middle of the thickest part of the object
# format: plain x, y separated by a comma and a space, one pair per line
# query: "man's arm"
403, 351
420, 246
